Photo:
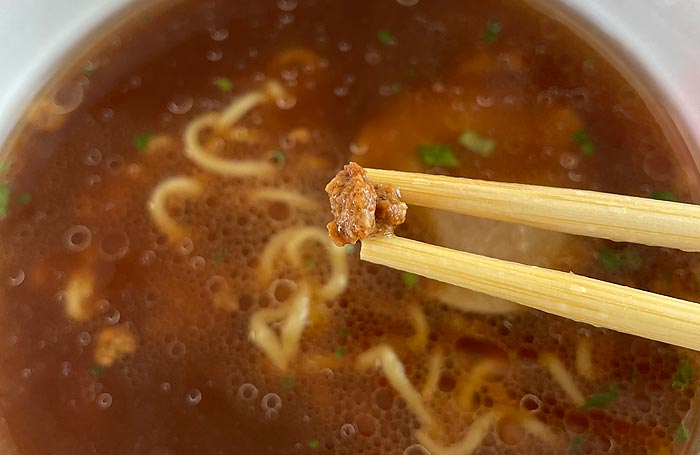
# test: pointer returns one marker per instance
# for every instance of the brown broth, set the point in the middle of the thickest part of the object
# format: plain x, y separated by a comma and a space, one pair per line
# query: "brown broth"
390, 79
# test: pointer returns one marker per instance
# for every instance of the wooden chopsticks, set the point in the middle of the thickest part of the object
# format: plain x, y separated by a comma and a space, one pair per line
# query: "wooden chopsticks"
589, 213
588, 300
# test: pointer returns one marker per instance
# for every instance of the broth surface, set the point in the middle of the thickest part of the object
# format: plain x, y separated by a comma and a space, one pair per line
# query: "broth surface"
121, 334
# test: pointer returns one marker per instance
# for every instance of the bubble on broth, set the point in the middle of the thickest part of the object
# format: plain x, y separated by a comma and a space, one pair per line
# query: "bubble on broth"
180, 104
77, 238
165, 387
185, 246
84, 339
570, 160
347, 431
373, 56
197, 263
176, 350
416, 449
247, 392
68, 97
112, 316
148, 257
114, 164
218, 34
16, 278
287, 5
104, 401
92, 157
193, 397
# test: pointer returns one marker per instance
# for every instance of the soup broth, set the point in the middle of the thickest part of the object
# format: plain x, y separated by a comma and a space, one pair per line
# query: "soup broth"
168, 286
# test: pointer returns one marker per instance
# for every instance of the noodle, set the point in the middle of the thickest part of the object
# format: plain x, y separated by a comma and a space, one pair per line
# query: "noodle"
468, 444
79, 290
159, 198
433, 377
290, 241
113, 343
563, 377
281, 350
384, 357
584, 358
289, 197
468, 388
239, 107
535, 427
420, 327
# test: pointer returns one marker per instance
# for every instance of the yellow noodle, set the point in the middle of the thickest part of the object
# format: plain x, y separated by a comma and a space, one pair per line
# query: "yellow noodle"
476, 376
78, 293
225, 119
584, 358
430, 385
563, 377
159, 198
283, 348
468, 444
289, 197
535, 427
419, 340
289, 241
384, 357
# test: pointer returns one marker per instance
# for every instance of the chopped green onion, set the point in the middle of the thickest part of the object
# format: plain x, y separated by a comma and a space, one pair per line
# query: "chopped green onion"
599, 399
613, 261
584, 142
223, 83
437, 155
96, 369
682, 433
683, 375
5, 189
278, 157
386, 38
313, 444
219, 256
396, 87
493, 30
89, 69
24, 198
340, 352
349, 249
141, 141
576, 444
409, 279
288, 382
664, 196
478, 144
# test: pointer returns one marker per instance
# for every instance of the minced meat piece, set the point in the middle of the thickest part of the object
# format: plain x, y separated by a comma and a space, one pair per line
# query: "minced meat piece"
361, 209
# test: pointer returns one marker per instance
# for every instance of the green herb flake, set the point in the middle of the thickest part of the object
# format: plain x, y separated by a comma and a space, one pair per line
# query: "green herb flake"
493, 30
478, 144
434, 155
664, 196
576, 444
682, 434
600, 399
5, 167
410, 280
96, 369
5, 189
340, 352
288, 382
313, 444
223, 83
611, 260
24, 198
219, 256
278, 157
141, 141
396, 87
89, 69
386, 38
584, 142
683, 375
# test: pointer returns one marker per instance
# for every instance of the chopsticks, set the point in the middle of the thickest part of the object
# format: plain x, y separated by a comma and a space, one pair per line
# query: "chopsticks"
583, 299
589, 213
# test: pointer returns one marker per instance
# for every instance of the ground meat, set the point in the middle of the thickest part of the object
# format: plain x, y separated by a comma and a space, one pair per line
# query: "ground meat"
361, 209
